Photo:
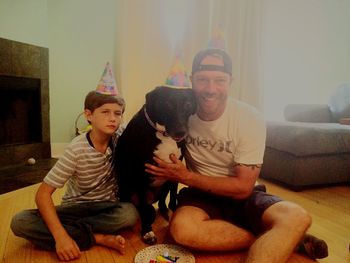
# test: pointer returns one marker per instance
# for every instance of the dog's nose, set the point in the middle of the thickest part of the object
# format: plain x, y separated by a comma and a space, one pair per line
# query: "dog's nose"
180, 134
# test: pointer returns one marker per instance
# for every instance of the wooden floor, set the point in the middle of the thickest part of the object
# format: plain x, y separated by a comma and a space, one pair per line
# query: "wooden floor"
330, 208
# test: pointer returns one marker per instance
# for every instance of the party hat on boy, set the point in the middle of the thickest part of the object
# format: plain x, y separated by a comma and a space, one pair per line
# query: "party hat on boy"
217, 39
107, 84
178, 77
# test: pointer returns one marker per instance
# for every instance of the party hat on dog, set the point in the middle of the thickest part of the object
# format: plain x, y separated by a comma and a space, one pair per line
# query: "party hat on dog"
178, 77
217, 39
107, 84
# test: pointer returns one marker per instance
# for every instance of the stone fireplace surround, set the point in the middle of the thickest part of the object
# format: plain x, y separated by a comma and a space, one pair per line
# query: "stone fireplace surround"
28, 61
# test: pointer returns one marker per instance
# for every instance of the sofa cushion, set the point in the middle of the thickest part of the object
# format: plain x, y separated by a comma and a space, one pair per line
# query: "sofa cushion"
308, 113
302, 172
305, 139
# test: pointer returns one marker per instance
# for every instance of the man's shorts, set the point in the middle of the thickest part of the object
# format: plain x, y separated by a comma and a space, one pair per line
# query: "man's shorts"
245, 213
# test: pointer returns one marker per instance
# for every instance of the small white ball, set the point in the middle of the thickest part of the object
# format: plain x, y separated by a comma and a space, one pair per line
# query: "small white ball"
31, 161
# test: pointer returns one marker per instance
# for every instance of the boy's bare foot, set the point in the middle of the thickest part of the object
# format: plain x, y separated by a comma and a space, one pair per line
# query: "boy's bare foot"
115, 242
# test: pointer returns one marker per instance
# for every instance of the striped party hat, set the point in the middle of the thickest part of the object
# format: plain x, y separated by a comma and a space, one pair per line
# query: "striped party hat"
107, 84
217, 39
178, 77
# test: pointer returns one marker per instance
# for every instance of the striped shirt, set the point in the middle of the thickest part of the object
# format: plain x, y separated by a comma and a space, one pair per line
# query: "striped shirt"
89, 174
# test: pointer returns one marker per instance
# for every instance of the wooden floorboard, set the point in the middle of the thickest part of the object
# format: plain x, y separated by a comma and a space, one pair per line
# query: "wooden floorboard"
329, 207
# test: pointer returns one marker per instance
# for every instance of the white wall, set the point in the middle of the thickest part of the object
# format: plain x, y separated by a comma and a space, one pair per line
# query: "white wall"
305, 52
81, 41
24, 21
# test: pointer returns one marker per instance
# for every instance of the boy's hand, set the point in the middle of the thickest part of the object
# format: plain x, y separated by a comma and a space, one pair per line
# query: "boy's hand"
67, 249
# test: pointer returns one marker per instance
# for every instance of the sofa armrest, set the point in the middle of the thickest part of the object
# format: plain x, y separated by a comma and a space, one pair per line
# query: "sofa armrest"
308, 113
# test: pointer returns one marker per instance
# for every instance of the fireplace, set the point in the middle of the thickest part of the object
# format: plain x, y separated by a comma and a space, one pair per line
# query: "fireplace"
24, 103
20, 117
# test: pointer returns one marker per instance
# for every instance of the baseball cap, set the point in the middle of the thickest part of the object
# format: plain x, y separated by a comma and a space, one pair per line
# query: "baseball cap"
227, 67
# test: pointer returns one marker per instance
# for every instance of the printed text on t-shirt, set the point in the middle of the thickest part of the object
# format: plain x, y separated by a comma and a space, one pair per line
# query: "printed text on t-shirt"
219, 145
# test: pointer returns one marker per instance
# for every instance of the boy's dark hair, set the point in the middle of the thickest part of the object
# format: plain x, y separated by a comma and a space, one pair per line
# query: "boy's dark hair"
94, 100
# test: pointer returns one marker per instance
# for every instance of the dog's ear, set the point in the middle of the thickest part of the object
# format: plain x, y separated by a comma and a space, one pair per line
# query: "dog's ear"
152, 101
150, 95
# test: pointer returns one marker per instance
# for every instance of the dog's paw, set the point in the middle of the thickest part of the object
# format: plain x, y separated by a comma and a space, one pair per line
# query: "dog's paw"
149, 238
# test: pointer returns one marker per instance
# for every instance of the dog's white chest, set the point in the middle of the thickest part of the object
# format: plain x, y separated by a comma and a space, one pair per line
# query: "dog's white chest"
166, 147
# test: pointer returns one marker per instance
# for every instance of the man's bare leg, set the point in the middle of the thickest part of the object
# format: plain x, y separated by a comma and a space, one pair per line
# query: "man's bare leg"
286, 224
116, 242
192, 227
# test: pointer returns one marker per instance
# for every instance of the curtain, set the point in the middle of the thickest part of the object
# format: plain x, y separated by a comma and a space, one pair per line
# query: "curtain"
150, 32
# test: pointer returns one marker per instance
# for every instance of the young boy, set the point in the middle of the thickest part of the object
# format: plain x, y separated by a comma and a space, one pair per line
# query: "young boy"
90, 212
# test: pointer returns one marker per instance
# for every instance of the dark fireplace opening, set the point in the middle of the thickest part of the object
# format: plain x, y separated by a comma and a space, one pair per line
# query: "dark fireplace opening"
24, 105
20, 110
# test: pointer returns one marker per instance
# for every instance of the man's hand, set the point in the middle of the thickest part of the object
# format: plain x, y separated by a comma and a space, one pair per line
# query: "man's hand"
175, 171
239, 186
67, 249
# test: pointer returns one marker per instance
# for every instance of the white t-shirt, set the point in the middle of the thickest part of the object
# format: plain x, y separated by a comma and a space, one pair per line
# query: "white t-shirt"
215, 147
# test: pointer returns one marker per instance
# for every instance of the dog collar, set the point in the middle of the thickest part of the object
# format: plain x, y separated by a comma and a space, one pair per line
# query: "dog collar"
150, 122
163, 132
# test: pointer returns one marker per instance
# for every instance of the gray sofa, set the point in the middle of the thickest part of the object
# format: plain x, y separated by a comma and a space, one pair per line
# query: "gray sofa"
311, 148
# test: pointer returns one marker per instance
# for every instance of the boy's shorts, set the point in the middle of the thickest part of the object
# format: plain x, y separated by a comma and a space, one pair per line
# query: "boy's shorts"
245, 213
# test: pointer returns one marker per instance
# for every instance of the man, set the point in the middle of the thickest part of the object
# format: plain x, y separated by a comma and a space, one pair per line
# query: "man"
222, 209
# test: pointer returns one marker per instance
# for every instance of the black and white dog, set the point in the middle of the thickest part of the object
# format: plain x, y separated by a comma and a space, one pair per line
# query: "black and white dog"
158, 128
